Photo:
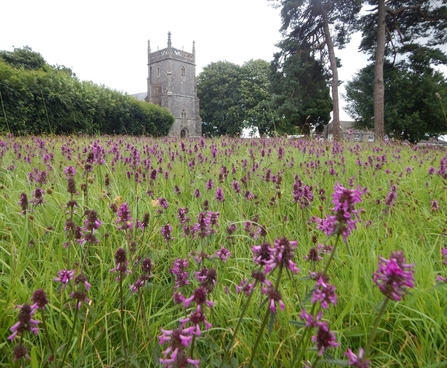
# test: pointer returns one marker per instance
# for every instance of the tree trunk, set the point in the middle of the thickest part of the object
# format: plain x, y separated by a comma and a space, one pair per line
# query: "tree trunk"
334, 70
379, 87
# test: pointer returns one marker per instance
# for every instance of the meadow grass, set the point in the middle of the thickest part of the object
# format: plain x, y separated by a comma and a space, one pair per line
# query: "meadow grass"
118, 327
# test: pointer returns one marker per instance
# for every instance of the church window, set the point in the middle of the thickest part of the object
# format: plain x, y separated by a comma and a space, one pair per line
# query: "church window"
183, 71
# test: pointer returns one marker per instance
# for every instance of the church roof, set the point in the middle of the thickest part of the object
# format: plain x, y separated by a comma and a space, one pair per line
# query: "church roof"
140, 96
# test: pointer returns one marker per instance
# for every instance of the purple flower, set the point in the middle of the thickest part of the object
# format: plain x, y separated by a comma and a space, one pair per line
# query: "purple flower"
394, 276
124, 220
223, 254
391, 197
39, 299
38, 197
310, 320
344, 217
166, 232
121, 263
324, 293
69, 172
444, 252
219, 195
245, 287
80, 297
274, 298
196, 318
302, 194
199, 297
64, 276
180, 272
20, 351
178, 340
357, 360
25, 322
324, 339
282, 254
23, 202
209, 184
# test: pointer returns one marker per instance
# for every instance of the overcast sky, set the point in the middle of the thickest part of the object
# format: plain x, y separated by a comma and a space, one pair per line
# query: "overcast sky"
106, 41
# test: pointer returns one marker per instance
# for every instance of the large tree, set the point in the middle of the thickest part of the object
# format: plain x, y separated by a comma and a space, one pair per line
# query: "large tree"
233, 97
411, 109
393, 27
301, 96
318, 27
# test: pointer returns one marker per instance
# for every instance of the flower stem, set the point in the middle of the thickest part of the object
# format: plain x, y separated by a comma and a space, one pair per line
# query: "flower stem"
75, 320
230, 344
123, 335
376, 325
264, 321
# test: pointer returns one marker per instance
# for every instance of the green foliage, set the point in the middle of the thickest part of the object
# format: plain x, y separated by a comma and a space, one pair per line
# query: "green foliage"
23, 58
37, 100
408, 22
412, 110
233, 97
301, 95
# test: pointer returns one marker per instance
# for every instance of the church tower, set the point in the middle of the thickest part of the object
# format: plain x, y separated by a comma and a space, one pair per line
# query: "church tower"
171, 83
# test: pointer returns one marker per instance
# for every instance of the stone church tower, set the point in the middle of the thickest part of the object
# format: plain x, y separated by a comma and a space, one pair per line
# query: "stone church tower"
172, 84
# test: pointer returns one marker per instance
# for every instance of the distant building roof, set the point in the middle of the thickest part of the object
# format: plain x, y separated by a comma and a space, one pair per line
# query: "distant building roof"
140, 96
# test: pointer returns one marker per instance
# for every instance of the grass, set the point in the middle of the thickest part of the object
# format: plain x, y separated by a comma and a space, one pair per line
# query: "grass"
139, 171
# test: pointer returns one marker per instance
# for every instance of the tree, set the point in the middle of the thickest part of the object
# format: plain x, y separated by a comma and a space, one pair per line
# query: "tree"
301, 96
412, 111
256, 97
23, 58
392, 28
233, 97
318, 26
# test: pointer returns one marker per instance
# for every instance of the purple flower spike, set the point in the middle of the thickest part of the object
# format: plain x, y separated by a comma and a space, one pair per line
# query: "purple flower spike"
357, 360
394, 276
344, 218
324, 293
25, 322
324, 339
64, 276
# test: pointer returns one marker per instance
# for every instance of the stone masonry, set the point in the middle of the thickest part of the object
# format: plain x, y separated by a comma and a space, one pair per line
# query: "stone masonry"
171, 83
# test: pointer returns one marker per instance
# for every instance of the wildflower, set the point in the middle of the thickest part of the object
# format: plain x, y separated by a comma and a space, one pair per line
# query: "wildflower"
324, 339
166, 232
196, 318
219, 195
121, 263
20, 351
39, 299
310, 320
182, 215
178, 340
344, 218
144, 223
281, 255
69, 171
302, 194
146, 268
357, 360
394, 276
223, 254
245, 287
25, 322
209, 184
23, 202
64, 276
199, 297
313, 255
124, 220
38, 197
274, 298
180, 273
80, 297
324, 293
82, 279
391, 197
163, 203
261, 253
